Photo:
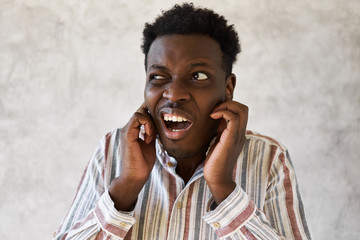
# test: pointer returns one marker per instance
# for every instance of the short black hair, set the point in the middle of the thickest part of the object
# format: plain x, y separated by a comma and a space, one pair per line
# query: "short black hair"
186, 19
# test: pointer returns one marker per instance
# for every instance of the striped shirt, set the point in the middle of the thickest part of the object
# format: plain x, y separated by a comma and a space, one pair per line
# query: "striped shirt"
265, 204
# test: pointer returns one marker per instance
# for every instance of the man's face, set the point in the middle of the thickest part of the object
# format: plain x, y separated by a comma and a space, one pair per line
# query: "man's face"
185, 81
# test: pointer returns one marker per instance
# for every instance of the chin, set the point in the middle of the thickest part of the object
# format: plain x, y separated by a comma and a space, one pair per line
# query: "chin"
179, 153
175, 150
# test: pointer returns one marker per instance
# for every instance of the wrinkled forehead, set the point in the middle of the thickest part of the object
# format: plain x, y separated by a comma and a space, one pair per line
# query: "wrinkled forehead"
180, 49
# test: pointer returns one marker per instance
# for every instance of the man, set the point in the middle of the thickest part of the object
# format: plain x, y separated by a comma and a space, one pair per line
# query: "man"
184, 166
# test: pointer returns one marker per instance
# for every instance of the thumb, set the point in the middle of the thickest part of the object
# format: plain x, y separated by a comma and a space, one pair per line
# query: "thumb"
222, 126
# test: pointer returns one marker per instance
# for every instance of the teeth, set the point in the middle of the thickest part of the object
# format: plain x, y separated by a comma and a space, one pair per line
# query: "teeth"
174, 118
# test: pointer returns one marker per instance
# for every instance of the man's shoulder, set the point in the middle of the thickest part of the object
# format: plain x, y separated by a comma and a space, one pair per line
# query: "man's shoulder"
111, 137
255, 137
261, 151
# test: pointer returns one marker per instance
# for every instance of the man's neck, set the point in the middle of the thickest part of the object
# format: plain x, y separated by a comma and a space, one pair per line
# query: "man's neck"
186, 167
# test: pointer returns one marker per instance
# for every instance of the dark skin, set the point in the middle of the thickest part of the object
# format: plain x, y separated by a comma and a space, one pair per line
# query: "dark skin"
185, 79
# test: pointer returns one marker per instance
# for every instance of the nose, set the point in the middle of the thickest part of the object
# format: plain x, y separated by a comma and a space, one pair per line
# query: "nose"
177, 91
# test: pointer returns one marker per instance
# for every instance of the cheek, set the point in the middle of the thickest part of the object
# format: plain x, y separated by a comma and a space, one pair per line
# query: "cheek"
151, 97
211, 100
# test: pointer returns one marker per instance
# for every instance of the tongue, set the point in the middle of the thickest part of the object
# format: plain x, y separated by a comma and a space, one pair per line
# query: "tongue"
177, 125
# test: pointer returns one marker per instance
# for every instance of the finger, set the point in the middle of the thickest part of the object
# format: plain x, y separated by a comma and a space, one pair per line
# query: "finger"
232, 106
149, 126
221, 125
134, 126
236, 123
231, 118
237, 108
231, 131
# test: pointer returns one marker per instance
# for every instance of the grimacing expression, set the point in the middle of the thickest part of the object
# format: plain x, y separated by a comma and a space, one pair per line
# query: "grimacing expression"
185, 82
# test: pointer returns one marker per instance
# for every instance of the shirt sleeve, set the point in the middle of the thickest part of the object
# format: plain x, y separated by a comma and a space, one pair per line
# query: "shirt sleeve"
92, 213
282, 217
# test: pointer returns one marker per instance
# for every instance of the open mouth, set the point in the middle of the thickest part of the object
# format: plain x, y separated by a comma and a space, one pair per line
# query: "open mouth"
176, 123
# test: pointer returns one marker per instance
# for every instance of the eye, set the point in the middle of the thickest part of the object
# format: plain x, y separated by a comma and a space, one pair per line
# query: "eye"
200, 76
157, 77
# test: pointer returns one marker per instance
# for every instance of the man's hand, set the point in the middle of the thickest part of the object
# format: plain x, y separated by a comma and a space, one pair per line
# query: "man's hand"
222, 156
137, 159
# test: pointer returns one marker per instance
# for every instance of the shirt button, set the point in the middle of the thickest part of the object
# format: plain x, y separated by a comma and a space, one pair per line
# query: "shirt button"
123, 225
216, 225
178, 205
170, 164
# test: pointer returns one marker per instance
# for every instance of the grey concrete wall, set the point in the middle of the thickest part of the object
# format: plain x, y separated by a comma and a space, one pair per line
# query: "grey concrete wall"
72, 70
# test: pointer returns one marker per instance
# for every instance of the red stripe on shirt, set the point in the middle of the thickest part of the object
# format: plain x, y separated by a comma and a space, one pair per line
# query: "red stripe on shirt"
289, 199
108, 227
247, 233
172, 195
273, 150
100, 235
188, 212
239, 220
82, 223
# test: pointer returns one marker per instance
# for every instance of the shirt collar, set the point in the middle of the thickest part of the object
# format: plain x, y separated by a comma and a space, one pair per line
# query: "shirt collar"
169, 162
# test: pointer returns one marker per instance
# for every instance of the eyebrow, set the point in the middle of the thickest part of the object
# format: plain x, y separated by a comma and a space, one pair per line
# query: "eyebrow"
200, 64
192, 65
163, 68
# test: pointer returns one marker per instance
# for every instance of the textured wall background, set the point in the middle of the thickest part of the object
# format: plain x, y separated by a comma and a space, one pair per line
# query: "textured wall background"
71, 71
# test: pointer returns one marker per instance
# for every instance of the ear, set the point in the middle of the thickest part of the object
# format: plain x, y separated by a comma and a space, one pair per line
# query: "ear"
230, 86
